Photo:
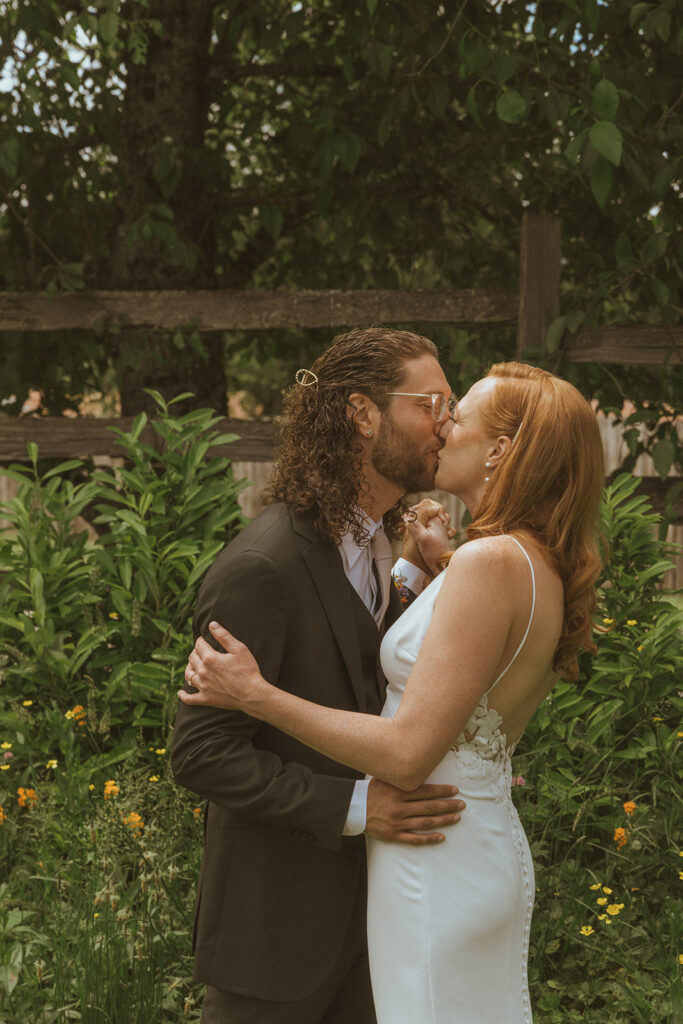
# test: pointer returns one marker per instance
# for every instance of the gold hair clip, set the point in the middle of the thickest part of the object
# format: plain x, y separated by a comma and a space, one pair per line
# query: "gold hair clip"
306, 378
517, 432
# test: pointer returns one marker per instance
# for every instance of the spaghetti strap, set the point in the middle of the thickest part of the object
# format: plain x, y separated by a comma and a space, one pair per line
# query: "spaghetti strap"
533, 606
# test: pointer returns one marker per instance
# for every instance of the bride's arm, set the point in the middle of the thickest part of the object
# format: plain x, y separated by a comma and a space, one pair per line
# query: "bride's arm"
457, 662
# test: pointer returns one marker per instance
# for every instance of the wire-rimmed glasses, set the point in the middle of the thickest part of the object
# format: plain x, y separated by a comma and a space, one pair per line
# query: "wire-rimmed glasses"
442, 405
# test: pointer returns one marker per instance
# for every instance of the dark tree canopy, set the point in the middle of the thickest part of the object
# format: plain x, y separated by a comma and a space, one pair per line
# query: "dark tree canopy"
282, 144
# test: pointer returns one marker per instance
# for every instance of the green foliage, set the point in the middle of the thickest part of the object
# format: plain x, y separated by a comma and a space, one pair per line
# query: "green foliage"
590, 749
328, 160
100, 849
105, 626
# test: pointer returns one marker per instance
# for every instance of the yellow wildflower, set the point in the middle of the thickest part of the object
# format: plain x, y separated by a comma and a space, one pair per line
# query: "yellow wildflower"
614, 908
606, 889
602, 917
680, 875
4, 767
602, 900
586, 930
26, 703
154, 778
630, 807
91, 786
657, 718
639, 647
160, 750
608, 622
134, 822
111, 788
632, 622
620, 837
96, 914
680, 958
52, 763
114, 615
679, 734
596, 886
5, 746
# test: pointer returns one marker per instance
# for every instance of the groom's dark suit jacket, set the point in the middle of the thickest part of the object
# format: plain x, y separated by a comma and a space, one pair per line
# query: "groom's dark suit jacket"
278, 879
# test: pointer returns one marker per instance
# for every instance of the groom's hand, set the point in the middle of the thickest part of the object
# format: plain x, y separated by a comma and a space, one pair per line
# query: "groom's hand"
397, 817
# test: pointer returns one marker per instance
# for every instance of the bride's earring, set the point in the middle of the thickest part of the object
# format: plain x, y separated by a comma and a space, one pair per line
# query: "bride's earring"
487, 465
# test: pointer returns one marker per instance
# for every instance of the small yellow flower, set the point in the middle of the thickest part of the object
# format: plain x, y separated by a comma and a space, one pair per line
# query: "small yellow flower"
620, 837
602, 900
154, 778
597, 884
5, 746
679, 734
26, 703
114, 615
632, 622
639, 647
603, 917
586, 930
657, 718
608, 622
96, 914
614, 908
680, 875
160, 750
111, 788
680, 958
52, 763
630, 807
5, 767
606, 889
91, 786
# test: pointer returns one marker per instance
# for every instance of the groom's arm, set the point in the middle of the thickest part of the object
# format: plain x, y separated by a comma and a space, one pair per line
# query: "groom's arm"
213, 753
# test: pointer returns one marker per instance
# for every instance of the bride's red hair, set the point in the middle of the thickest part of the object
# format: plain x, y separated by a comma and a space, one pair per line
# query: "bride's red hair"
550, 484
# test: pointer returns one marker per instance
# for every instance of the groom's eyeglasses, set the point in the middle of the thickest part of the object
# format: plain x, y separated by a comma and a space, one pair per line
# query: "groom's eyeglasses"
441, 405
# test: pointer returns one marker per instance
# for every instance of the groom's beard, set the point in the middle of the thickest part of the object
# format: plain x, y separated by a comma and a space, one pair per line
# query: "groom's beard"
398, 459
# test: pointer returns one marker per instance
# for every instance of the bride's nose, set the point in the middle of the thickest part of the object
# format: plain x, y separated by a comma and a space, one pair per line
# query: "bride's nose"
445, 428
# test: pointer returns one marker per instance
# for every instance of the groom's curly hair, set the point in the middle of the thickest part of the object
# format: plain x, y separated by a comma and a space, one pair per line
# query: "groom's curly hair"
318, 464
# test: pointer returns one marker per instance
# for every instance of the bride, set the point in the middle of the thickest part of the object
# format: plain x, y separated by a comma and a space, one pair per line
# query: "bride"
467, 665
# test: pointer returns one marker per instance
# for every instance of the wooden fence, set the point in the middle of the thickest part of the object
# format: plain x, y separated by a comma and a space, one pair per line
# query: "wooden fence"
533, 308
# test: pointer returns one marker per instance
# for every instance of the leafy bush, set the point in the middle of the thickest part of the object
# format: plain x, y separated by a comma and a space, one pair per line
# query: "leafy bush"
602, 798
99, 849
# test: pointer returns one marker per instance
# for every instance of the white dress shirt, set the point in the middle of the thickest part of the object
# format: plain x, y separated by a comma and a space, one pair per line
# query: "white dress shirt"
357, 561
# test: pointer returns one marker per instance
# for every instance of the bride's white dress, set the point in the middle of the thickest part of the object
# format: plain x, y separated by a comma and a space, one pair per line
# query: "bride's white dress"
448, 925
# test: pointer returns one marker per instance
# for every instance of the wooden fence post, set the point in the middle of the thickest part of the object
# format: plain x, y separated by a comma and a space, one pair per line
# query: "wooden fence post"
539, 279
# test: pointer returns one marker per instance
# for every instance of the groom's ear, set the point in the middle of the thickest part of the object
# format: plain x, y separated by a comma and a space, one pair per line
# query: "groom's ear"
363, 413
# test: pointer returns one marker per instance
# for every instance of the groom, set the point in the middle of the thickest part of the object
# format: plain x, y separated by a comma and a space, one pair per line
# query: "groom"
280, 918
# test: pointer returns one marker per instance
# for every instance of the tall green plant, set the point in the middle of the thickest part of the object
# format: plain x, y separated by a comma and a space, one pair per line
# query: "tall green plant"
104, 627
602, 797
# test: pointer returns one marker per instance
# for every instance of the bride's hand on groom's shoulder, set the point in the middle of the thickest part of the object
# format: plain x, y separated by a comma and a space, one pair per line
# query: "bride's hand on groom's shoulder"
394, 816
427, 534
227, 679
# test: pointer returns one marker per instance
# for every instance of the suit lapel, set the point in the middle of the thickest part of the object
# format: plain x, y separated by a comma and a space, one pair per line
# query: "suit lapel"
325, 567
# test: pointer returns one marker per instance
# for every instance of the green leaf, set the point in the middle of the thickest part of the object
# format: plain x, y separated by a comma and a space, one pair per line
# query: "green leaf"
272, 219
511, 107
663, 455
9, 157
601, 180
605, 99
606, 138
371, 6
379, 60
471, 105
108, 26
655, 247
32, 449
348, 146
662, 293
572, 150
554, 334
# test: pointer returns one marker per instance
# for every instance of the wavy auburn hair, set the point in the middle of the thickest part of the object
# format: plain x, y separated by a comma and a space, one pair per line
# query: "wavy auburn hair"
550, 484
318, 463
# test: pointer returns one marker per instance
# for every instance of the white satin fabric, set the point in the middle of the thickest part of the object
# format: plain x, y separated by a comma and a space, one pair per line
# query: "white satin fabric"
448, 925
